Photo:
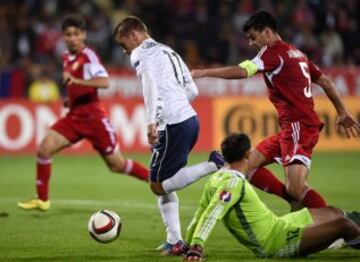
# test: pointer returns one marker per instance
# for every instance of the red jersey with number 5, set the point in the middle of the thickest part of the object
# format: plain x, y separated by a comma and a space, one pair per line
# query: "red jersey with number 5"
84, 65
288, 75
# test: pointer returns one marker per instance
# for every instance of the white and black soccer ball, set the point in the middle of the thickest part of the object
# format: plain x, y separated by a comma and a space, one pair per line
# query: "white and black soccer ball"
104, 226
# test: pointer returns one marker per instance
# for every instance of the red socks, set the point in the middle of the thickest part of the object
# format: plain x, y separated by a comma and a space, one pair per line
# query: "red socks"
136, 169
44, 171
313, 199
263, 179
43, 177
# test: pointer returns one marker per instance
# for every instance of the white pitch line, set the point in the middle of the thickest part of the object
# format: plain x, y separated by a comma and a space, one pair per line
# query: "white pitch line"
83, 202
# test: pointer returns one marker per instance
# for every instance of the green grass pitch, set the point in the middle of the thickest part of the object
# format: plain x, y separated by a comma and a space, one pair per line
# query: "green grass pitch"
81, 185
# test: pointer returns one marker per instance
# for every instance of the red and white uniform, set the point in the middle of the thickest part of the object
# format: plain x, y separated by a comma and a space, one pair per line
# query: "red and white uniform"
288, 75
87, 117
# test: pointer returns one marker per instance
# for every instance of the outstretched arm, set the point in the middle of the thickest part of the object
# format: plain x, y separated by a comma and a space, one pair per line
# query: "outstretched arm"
245, 69
230, 72
209, 213
346, 122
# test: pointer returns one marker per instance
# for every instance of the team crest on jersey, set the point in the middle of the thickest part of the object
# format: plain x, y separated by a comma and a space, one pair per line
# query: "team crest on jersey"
225, 196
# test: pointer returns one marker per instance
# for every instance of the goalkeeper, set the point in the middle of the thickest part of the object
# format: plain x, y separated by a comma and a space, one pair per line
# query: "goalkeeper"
229, 197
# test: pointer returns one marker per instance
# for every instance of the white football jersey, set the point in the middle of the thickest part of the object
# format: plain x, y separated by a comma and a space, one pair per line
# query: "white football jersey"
168, 87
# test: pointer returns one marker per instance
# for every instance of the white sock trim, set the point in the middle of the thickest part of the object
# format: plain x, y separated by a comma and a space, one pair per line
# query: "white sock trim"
129, 164
44, 161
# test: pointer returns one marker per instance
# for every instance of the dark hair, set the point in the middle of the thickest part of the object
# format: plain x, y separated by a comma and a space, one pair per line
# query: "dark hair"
130, 23
74, 20
234, 147
259, 21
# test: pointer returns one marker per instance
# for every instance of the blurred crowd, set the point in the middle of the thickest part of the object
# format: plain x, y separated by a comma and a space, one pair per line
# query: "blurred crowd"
204, 32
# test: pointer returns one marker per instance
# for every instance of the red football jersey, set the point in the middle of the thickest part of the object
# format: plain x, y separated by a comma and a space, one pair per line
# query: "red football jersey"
288, 75
84, 65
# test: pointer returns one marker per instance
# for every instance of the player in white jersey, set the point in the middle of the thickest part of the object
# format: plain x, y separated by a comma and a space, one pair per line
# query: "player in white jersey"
172, 123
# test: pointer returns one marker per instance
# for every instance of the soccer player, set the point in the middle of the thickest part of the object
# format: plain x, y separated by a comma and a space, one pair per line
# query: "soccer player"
288, 74
172, 123
86, 119
228, 196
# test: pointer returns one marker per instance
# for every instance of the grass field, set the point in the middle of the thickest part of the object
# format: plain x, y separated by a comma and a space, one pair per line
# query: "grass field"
81, 185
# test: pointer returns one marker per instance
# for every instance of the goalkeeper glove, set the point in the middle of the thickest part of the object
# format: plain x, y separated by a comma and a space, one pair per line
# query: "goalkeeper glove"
194, 253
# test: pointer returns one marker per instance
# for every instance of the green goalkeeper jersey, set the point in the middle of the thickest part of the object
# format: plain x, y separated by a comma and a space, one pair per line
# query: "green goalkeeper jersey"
229, 197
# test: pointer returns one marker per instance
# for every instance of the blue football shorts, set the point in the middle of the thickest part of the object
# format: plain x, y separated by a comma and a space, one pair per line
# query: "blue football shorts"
171, 152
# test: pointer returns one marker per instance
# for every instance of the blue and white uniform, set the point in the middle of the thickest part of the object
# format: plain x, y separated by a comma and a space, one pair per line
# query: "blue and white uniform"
168, 90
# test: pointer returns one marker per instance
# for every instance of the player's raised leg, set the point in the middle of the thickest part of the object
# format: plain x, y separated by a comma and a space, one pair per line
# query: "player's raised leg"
116, 162
104, 139
188, 175
263, 178
297, 141
170, 155
52, 143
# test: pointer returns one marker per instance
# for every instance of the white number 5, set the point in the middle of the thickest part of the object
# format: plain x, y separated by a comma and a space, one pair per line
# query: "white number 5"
305, 71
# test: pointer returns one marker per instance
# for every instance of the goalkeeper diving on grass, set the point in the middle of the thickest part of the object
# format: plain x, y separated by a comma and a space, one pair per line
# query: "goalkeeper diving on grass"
228, 196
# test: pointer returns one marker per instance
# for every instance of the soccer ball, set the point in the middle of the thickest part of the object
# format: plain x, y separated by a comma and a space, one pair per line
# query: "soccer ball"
104, 226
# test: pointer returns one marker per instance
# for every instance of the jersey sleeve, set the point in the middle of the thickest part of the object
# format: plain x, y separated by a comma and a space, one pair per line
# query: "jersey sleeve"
266, 61
93, 70
198, 213
144, 70
315, 71
227, 195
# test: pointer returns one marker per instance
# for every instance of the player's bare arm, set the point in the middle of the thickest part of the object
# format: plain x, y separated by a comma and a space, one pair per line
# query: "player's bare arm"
97, 82
345, 122
230, 72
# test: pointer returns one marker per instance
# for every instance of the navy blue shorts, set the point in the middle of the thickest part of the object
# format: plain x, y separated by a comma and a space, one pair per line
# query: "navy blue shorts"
171, 152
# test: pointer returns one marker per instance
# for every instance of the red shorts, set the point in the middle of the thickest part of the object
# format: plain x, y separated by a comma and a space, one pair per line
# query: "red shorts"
95, 128
294, 142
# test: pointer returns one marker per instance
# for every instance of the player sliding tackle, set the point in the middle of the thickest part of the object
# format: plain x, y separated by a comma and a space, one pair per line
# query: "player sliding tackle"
83, 75
229, 197
173, 125
288, 74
